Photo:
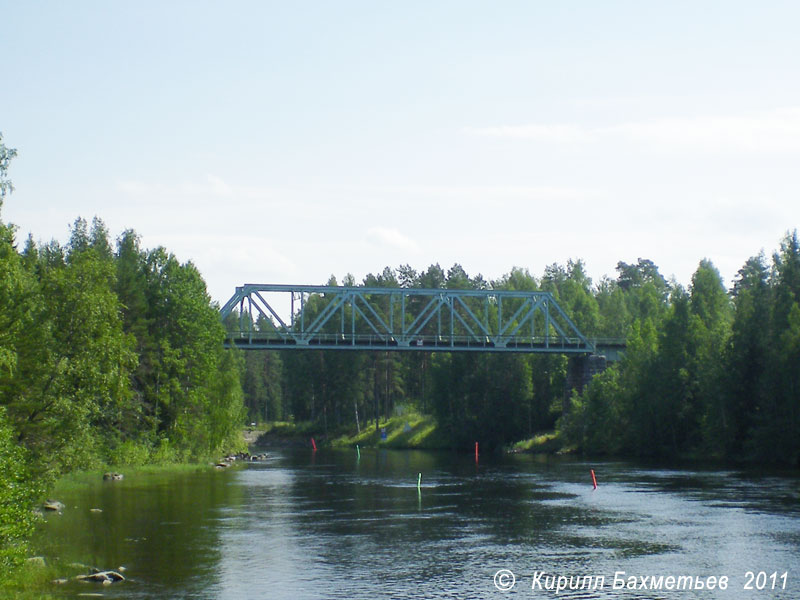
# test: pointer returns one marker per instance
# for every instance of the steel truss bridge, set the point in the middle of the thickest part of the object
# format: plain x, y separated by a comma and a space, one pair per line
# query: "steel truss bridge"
410, 319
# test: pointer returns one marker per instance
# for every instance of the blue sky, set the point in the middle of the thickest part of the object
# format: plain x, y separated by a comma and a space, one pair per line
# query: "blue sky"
285, 142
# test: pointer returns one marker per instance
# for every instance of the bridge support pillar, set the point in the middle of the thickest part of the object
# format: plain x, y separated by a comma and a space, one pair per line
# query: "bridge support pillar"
580, 370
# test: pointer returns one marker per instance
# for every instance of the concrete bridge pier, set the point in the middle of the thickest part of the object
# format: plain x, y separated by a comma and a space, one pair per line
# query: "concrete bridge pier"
580, 370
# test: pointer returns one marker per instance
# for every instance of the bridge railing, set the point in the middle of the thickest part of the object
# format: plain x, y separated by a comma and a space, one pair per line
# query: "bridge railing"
256, 339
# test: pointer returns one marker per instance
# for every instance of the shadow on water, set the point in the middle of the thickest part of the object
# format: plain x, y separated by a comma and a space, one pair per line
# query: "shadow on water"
330, 525
162, 528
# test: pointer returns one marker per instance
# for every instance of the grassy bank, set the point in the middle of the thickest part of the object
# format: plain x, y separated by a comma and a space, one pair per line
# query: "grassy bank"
32, 581
547, 442
80, 479
410, 430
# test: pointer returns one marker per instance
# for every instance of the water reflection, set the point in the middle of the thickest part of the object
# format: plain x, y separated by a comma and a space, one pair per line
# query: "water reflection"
331, 525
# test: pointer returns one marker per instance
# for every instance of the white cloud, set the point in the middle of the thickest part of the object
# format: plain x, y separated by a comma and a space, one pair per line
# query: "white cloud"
229, 260
382, 236
555, 133
774, 131
218, 186
210, 186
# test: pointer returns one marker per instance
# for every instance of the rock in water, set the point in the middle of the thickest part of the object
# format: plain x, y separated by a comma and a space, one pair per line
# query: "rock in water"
53, 505
104, 577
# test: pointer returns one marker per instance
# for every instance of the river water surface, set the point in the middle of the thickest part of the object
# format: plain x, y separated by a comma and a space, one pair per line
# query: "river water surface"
328, 524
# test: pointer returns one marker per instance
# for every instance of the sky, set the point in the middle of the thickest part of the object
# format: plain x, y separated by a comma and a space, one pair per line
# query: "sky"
284, 142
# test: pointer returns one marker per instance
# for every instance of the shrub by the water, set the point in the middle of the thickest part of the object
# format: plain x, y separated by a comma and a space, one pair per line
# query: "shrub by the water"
18, 493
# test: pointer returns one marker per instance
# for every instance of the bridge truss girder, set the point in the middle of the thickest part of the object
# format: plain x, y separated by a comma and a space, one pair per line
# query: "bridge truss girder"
410, 319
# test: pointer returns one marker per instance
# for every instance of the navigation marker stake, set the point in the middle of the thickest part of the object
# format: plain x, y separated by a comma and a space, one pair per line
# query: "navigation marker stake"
358, 452
594, 480
476, 451
313, 444
419, 481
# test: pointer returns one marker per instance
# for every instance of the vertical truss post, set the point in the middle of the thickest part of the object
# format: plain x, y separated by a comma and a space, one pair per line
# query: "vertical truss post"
439, 320
250, 319
342, 314
403, 317
500, 319
486, 325
241, 314
547, 325
391, 312
452, 318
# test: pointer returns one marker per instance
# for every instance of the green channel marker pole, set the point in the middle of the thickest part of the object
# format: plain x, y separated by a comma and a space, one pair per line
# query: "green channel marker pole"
358, 451
419, 481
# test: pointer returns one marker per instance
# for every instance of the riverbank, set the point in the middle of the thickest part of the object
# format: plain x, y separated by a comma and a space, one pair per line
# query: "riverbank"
36, 578
408, 431
411, 431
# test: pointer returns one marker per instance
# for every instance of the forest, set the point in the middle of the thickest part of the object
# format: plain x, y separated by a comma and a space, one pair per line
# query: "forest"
707, 372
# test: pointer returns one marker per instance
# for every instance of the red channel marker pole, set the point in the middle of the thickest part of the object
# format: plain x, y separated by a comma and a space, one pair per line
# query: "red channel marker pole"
313, 445
594, 480
476, 451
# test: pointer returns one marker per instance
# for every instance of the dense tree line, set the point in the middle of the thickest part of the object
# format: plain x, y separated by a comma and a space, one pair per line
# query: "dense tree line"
111, 353
707, 371
108, 353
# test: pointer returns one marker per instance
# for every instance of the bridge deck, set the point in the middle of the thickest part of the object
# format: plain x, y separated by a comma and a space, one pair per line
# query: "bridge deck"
424, 343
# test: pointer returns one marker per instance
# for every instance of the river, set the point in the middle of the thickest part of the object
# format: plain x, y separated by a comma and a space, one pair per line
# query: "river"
331, 524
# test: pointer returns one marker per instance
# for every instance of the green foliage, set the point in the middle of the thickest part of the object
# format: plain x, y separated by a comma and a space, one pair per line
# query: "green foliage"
112, 357
706, 372
6, 154
18, 492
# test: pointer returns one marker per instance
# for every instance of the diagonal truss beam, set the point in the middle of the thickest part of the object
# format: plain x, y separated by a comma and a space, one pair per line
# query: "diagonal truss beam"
347, 318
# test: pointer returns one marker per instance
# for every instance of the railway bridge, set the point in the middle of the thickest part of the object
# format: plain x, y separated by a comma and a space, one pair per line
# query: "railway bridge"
314, 317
